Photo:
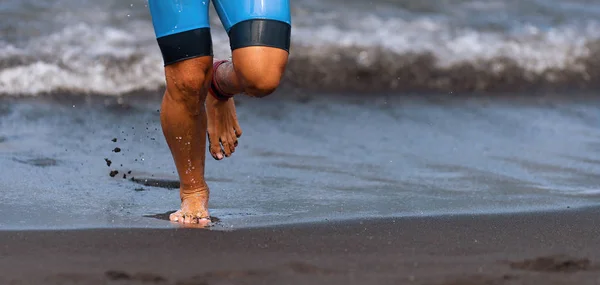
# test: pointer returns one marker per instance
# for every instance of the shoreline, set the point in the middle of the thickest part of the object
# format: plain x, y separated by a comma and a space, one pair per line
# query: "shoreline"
161, 222
534, 248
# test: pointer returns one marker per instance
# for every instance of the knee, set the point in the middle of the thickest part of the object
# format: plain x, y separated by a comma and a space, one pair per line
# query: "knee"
261, 82
188, 83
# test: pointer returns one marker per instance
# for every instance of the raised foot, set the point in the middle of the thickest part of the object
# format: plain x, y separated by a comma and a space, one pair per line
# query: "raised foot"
194, 208
223, 127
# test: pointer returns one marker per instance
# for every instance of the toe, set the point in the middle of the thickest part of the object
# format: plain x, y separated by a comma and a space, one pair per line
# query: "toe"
234, 139
204, 222
176, 217
226, 146
232, 142
238, 129
215, 149
203, 218
217, 154
232, 146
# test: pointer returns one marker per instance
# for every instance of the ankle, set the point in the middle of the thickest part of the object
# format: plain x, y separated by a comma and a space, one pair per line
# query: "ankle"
198, 191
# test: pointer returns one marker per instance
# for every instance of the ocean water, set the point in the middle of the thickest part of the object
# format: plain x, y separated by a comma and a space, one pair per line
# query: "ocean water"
108, 47
372, 120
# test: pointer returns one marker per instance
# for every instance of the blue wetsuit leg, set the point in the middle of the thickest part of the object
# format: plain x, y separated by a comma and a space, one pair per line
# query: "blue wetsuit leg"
256, 22
182, 28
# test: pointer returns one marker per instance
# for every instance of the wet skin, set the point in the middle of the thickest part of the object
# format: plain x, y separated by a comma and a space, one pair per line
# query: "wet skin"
188, 113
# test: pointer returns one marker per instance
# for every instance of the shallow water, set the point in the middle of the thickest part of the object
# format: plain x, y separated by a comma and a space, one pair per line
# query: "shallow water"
319, 158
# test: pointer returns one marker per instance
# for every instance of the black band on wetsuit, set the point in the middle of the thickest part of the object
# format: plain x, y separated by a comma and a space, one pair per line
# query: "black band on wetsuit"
260, 32
186, 45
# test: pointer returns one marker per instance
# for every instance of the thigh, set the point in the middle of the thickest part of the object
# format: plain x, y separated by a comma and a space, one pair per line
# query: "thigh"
182, 28
256, 22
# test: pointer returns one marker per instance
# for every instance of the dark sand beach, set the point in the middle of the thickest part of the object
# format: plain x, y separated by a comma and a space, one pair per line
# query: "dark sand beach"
411, 142
537, 248
425, 209
313, 217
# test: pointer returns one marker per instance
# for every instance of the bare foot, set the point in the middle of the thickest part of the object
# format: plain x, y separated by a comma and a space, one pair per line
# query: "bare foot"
223, 127
194, 207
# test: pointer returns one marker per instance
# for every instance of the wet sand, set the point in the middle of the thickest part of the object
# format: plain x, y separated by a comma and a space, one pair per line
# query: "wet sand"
449, 168
536, 248
328, 157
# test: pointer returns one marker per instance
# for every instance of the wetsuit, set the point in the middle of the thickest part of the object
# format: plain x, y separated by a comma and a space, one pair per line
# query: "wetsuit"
183, 31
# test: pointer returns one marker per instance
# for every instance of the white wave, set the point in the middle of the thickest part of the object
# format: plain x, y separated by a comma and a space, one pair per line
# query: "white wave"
534, 49
89, 59
94, 58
